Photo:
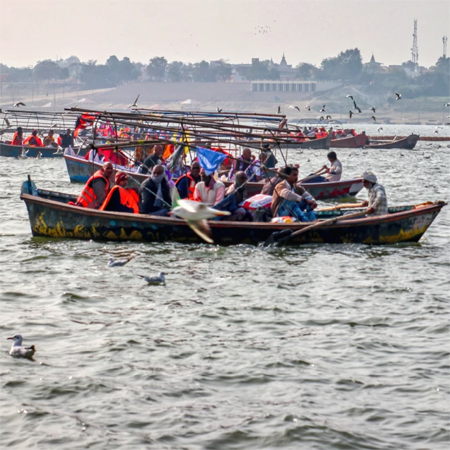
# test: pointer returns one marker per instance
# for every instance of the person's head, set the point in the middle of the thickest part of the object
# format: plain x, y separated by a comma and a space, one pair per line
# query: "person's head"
51, 132
121, 179
247, 154
158, 150
34, 133
332, 156
240, 178
195, 169
369, 179
108, 169
19, 130
158, 173
68, 131
291, 174
204, 177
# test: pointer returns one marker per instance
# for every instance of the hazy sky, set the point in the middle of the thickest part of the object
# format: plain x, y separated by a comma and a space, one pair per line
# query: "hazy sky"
233, 30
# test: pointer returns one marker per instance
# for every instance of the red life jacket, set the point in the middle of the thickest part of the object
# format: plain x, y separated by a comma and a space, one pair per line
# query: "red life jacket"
191, 186
33, 141
87, 198
17, 140
129, 199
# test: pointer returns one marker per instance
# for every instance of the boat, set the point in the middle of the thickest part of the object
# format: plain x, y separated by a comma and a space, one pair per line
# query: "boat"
316, 144
51, 216
80, 170
358, 141
17, 151
407, 143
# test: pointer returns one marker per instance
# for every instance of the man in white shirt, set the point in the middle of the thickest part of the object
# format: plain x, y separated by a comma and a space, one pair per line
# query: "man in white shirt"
209, 190
334, 173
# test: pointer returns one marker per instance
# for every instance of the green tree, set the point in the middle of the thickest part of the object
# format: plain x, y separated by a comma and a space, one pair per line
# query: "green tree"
307, 71
156, 68
346, 66
47, 70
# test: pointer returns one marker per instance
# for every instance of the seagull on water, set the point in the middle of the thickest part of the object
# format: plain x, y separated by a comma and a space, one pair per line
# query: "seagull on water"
155, 279
196, 214
16, 105
19, 350
119, 262
399, 96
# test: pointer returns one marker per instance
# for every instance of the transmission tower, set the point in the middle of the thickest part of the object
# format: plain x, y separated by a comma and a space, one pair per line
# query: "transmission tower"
415, 49
444, 43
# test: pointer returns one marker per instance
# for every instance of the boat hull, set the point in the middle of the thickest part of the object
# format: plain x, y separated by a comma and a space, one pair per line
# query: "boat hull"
357, 141
56, 219
16, 151
407, 143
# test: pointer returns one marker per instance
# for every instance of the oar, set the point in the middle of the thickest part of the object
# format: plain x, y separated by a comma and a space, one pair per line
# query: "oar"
315, 174
342, 206
282, 236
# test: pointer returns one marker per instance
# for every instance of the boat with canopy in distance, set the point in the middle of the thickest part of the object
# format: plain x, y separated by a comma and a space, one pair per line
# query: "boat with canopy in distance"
52, 216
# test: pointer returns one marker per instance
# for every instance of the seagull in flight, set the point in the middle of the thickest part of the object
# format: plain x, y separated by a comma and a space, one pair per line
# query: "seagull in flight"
294, 107
350, 113
374, 118
379, 129
135, 104
349, 96
279, 110
16, 105
320, 118
21, 351
399, 96
373, 109
328, 118
323, 109
196, 214
119, 262
447, 104
308, 107
155, 279
219, 110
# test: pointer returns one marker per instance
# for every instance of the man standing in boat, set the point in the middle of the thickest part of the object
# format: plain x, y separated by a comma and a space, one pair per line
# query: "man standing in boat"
377, 203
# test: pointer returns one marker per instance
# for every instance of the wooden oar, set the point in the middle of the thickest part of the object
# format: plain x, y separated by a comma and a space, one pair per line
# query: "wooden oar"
315, 174
282, 236
342, 206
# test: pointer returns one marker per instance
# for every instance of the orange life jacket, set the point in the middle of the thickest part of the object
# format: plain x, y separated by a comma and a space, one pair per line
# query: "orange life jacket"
191, 185
17, 140
87, 198
38, 142
128, 198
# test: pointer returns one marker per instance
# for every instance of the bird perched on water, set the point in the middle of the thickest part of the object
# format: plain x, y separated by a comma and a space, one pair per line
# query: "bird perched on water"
323, 109
16, 105
374, 118
373, 109
349, 96
350, 113
135, 104
21, 351
399, 96
196, 214
119, 262
308, 107
155, 279
279, 110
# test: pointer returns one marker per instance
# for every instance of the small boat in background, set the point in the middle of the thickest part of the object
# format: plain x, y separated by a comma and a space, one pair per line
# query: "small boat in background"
407, 143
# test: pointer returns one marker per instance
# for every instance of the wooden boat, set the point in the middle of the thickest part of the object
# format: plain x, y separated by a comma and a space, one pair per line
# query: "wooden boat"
50, 215
80, 170
407, 143
316, 144
17, 151
358, 141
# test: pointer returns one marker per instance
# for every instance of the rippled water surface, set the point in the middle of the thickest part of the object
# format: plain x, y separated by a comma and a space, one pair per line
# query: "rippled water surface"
317, 347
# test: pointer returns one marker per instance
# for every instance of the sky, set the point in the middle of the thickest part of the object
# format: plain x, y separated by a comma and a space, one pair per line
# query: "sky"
233, 30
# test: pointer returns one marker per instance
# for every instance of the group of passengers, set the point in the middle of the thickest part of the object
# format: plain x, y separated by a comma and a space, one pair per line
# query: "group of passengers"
33, 140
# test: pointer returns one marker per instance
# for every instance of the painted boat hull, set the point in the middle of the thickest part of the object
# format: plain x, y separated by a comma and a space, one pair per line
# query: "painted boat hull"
16, 151
80, 170
357, 141
407, 143
316, 144
56, 219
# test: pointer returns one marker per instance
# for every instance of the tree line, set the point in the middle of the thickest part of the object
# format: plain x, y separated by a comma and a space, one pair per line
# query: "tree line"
347, 67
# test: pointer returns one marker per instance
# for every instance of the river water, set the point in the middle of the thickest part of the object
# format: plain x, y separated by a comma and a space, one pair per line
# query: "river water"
316, 347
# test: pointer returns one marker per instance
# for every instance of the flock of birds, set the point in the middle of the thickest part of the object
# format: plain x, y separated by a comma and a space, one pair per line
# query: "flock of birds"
350, 112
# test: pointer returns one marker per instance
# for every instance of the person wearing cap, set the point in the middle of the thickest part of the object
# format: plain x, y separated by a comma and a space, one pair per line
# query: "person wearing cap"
33, 140
377, 203
121, 198
18, 137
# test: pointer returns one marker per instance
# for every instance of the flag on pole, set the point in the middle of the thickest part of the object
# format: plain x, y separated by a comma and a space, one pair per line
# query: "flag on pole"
209, 160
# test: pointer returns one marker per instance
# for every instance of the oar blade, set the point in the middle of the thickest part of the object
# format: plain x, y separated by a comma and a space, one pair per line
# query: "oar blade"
277, 236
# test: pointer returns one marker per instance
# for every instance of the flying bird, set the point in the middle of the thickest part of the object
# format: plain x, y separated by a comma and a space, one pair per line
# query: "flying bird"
219, 110
447, 104
119, 262
135, 104
328, 117
155, 279
21, 351
196, 214
294, 107
379, 129
308, 107
374, 118
349, 96
373, 109
399, 96
16, 105
320, 118
279, 110
358, 109
323, 109
350, 113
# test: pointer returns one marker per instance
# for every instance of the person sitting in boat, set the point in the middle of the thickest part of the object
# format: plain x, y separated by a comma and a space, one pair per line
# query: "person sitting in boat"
97, 188
18, 137
377, 203
186, 183
269, 185
234, 196
67, 139
155, 194
286, 202
242, 163
33, 140
270, 161
93, 155
121, 198
49, 140
333, 173
209, 190
153, 159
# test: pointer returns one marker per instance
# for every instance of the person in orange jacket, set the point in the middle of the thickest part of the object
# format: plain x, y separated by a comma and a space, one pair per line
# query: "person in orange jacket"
18, 137
121, 198
33, 140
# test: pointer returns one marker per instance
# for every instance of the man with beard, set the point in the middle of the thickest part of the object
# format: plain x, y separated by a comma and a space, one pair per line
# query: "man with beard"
209, 190
154, 194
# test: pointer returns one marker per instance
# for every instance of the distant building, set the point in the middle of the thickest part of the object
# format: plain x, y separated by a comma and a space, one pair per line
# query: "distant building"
286, 71
372, 66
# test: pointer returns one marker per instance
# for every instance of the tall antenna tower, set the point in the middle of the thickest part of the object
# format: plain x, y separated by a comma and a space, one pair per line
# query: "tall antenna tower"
415, 49
444, 44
